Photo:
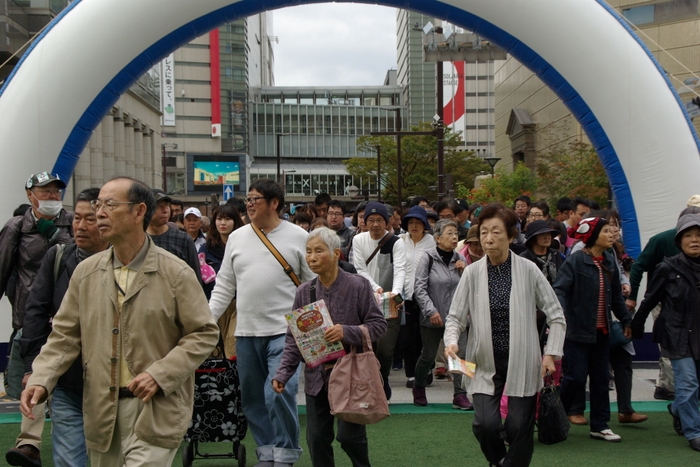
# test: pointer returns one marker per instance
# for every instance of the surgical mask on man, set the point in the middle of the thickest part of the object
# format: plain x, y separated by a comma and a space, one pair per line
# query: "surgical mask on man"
49, 207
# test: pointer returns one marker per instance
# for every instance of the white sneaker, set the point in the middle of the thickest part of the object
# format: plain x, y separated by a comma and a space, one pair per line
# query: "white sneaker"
606, 435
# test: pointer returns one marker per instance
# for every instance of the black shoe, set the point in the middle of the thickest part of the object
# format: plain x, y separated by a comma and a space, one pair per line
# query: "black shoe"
664, 394
695, 444
387, 390
676, 421
24, 456
429, 379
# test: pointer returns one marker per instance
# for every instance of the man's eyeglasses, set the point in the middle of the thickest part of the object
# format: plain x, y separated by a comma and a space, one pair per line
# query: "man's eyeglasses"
96, 204
50, 191
253, 199
535, 215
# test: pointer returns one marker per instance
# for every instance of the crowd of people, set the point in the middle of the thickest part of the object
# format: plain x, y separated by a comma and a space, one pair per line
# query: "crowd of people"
116, 304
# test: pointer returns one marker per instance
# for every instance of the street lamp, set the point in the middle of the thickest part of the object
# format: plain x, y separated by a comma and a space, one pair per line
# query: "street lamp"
164, 160
279, 154
492, 162
379, 172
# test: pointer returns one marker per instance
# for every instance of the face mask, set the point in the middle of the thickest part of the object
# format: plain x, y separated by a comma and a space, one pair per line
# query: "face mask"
50, 208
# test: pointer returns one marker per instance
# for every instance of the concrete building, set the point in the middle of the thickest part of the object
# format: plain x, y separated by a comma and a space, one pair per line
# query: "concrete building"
468, 86
529, 116
317, 128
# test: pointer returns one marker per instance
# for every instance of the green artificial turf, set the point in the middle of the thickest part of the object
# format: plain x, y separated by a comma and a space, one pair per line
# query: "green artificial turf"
446, 439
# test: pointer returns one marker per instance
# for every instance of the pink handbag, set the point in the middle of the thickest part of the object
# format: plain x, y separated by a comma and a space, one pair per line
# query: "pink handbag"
355, 388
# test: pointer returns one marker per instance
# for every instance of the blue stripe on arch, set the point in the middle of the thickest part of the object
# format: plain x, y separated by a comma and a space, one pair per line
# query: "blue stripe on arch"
80, 135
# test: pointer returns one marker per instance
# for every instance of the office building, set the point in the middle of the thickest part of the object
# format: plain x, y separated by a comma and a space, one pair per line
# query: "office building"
530, 118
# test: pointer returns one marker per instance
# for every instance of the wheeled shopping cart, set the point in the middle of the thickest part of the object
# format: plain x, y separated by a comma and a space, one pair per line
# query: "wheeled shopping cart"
217, 415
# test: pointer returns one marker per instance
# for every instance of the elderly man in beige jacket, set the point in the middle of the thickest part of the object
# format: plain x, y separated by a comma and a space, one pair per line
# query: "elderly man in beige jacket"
142, 323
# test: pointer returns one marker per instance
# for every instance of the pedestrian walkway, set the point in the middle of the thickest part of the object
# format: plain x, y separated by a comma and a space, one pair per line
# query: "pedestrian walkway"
439, 395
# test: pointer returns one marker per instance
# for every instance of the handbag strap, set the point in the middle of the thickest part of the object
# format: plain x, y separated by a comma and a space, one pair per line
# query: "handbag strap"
366, 340
384, 239
285, 265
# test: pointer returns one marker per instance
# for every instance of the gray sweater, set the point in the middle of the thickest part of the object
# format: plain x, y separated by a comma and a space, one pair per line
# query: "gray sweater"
435, 285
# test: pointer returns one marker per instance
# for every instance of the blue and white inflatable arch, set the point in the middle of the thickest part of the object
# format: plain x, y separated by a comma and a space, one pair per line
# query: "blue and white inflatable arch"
95, 49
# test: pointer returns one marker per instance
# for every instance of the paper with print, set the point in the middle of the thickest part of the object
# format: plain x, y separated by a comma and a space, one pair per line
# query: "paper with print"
388, 306
308, 325
459, 366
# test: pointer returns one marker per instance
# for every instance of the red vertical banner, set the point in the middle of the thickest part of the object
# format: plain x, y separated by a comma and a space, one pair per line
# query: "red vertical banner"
215, 68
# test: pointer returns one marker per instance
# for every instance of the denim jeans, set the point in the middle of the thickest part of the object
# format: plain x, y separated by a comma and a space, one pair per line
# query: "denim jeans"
686, 372
67, 434
272, 417
587, 360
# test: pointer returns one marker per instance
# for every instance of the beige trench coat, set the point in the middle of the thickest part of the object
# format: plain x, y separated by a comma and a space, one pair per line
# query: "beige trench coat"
167, 330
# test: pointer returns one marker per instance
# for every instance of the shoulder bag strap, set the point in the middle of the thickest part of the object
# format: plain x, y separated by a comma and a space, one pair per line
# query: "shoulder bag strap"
366, 341
57, 261
312, 289
384, 239
285, 265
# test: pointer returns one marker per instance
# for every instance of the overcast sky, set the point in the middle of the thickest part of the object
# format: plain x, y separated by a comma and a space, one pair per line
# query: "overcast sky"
333, 44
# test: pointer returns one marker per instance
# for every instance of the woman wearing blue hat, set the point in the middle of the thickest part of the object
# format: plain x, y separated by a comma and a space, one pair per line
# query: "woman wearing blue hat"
417, 241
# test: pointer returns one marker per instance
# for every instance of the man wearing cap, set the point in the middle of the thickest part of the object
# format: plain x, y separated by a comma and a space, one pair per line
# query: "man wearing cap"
193, 226
142, 323
658, 247
380, 257
167, 236
24, 240
51, 284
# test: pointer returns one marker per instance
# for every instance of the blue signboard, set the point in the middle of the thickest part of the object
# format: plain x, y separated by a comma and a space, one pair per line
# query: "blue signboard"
228, 192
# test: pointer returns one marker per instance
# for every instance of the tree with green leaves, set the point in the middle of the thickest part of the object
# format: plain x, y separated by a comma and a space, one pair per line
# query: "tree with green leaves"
572, 169
504, 187
418, 163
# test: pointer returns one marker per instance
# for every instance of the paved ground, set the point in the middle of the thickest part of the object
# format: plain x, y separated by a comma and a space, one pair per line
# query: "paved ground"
440, 392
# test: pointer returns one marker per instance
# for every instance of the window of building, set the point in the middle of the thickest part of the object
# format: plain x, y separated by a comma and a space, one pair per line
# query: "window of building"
660, 12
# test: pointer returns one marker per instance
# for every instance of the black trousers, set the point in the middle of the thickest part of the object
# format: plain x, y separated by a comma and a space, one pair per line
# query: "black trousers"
518, 429
410, 339
319, 434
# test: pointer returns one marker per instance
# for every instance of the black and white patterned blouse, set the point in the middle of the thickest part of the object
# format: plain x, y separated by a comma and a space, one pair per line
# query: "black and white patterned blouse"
499, 303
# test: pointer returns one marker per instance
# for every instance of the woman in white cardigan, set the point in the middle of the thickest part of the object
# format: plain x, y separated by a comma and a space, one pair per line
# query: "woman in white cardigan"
498, 297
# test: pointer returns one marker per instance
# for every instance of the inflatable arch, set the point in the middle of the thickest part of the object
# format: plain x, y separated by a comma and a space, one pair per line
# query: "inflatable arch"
584, 51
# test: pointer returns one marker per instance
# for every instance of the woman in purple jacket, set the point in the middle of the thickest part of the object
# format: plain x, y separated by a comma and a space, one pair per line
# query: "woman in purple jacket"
350, 301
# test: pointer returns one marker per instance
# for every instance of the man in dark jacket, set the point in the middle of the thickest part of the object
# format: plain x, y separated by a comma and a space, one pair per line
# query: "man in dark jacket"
658, 247
24, 241
49, 288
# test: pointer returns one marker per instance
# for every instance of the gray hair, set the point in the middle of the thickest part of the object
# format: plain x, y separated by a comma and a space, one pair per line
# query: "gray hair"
327, 236
442, 224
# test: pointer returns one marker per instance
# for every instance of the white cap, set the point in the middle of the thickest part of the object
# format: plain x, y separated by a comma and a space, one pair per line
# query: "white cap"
694, 201
194, 211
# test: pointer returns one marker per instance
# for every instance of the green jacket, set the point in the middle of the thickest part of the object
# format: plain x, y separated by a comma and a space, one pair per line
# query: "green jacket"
660, 246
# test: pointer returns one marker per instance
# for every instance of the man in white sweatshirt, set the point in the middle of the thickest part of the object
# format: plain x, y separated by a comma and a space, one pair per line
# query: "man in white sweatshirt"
264, 293
380, 257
